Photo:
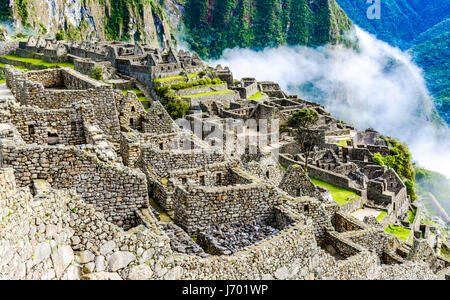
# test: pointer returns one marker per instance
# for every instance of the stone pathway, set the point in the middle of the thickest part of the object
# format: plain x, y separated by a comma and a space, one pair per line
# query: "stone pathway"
365, 212
5, 92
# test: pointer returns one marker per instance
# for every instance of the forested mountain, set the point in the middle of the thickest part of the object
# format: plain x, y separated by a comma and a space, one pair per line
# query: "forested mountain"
213, 26
401, 21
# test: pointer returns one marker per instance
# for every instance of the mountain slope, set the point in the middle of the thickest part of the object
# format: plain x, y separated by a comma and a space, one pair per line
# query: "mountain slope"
129, 20
401, 20
213, 26
431, 51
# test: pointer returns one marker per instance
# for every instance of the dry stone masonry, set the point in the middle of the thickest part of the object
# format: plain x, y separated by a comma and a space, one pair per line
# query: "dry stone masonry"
97, 184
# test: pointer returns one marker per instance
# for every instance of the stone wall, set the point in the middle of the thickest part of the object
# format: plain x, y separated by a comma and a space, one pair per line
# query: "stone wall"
297, 183
157, 120
196, 208
33, 93
8, 47
113, 189
163, 161
324, 175
35, 125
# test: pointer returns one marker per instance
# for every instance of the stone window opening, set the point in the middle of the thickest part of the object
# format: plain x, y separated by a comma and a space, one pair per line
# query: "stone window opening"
73, 126
161, 146
131, 122
268, 174
31, 129
160, 116
306, 208
219, 178
133, 109
213, 143
202, 180
184, 180
298, 192
53, 138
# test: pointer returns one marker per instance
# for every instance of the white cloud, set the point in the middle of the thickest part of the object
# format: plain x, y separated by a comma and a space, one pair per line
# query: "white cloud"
377, 86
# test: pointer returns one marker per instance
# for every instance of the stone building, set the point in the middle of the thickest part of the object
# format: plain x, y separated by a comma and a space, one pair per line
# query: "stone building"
88, 161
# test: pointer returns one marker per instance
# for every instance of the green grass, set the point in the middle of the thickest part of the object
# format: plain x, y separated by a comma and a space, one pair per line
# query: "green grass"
412, 216
2, 81
208, 94
38, 62
164, 216
143, 99
382, 215
139, 94
429, 222
2, 65
257, 96
400, 232
343, 143
174, 78
339, 195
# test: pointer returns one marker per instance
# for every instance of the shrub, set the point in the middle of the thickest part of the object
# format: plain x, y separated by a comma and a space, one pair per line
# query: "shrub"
97, 73
60, 35
399, 160
177, 107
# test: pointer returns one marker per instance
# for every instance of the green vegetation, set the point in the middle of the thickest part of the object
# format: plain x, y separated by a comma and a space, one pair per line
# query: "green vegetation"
139, 94
175, 78
436, 184
339, 195
399, 160
343, 143
2, 77
195, 84
177, 107
302, 121
162, 214
22, 9
400, 232
445, 252
382, 215
124, 12
209, 94
257, 96
38, 62
412, 215
212, 27
97, 73
431, 52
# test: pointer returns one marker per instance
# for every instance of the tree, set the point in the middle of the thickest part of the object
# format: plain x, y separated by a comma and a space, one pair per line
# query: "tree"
177, 107
303, 121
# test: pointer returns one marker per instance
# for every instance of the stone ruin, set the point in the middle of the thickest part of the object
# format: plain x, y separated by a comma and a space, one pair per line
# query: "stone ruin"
112, 189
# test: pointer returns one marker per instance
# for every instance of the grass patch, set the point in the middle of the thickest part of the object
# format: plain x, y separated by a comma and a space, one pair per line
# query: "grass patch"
174, 78
208, 94
343, 143
382, 215
38, 62
257, 96
164, 217
339, 195
445, 252
139, 94
429, 222
400, 232
412, 216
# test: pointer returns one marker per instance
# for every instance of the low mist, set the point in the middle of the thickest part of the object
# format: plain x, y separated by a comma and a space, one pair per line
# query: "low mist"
376, 86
